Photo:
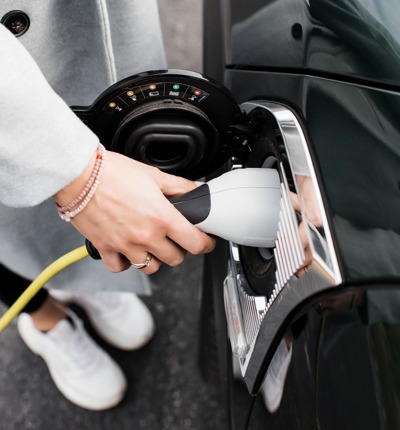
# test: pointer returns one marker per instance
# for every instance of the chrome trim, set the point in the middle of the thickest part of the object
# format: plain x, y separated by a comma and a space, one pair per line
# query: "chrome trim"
288, 252
294, 140
264, 317
253, 308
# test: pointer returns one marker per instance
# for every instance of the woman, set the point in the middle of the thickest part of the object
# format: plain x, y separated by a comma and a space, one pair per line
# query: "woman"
77, 50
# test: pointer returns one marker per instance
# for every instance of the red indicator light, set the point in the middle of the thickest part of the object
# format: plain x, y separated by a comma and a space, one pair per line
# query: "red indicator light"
197, 93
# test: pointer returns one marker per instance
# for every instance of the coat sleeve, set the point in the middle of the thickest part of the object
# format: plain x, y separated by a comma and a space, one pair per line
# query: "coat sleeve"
43, 144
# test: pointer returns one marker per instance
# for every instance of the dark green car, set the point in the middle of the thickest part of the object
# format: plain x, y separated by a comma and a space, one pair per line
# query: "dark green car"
325, 76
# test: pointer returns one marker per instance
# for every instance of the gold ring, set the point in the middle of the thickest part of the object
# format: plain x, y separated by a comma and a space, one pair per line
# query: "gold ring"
146, 263
305, 269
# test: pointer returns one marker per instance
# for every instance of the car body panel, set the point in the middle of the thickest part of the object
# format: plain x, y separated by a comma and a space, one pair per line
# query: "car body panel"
336, 65
344, 370
354, 136
357, 39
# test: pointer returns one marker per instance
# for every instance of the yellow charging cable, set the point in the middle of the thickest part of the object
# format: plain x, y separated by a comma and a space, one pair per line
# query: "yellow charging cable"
51, 270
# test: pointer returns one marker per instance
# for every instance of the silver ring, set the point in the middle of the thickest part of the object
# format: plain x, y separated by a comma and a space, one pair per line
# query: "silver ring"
146, 263
305, 269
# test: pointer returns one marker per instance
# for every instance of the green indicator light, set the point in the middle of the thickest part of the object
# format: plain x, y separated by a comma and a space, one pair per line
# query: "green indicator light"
176, 86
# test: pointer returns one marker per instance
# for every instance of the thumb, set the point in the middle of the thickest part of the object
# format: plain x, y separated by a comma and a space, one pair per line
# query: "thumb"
171, 184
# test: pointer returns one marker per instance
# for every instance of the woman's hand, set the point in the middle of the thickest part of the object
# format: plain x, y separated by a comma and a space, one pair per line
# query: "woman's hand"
129, 216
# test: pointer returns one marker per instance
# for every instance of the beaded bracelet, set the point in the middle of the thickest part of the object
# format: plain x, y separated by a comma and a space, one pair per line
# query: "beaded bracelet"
69, 211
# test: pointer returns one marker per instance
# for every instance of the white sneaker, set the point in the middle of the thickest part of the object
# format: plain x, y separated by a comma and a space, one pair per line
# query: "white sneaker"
272, 387
120, 318
81, 370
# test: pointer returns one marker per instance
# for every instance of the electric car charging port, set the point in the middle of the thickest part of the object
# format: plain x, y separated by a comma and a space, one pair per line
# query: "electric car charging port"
267, 151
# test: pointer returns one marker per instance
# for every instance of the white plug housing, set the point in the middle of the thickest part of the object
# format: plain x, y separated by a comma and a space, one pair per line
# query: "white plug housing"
245, 206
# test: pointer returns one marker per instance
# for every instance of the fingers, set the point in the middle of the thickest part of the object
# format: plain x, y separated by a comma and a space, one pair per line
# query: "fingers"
168, 252
169, 237
307, 251
171, 185
162, 250
117, 262
150, 262
180, 230
189, 237
114, 261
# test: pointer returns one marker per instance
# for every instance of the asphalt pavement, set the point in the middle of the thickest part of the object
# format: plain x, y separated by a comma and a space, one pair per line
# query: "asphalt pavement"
165, 388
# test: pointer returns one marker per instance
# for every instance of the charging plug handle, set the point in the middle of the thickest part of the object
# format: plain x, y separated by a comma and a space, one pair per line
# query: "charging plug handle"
92, 251
195, 205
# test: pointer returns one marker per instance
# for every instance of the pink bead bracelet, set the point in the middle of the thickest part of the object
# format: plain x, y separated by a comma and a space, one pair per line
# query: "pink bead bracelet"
69, 211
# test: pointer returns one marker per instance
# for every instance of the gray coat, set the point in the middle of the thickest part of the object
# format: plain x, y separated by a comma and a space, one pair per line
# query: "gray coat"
79, 49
